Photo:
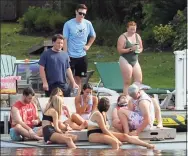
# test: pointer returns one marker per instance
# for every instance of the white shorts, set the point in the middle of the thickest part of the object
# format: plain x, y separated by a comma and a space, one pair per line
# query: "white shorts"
85, 116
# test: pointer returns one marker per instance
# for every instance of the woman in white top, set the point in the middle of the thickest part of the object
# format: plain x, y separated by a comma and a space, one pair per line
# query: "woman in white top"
98, 132
85, 104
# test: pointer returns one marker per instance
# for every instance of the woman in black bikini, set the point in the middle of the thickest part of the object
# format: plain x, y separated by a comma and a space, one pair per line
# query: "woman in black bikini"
51, 131
98, 132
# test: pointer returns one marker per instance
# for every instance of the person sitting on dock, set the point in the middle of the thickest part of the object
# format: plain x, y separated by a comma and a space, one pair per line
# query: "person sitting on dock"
66, 122
50, 124
123, 103
85, 104
99, 133
140, 115
24, 118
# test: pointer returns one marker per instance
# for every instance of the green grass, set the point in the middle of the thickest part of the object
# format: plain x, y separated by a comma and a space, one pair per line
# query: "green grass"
158, 68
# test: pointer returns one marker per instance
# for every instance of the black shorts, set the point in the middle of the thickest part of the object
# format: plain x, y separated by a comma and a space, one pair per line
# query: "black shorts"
47, 132
94, 131
79, 66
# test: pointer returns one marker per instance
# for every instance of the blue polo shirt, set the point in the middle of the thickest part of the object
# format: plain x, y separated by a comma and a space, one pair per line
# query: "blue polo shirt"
55, 65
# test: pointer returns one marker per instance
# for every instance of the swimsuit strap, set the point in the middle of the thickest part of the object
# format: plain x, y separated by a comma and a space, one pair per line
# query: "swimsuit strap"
92, 115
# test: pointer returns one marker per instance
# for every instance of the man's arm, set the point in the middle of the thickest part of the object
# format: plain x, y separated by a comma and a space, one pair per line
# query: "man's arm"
70, 77
15, 114
65, 36
144, 107
65, 45
43, 77
90, 42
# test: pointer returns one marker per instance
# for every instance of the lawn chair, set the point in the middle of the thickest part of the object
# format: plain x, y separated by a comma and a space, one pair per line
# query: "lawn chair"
7, 65
111, 78
88, 76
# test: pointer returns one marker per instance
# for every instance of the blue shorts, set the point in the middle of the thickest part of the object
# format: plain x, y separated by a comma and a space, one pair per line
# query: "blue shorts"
17, 137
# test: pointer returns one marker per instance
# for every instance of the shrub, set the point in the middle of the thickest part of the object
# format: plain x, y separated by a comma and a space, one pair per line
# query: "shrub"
164, 35
107, 32
179, 23
41, 20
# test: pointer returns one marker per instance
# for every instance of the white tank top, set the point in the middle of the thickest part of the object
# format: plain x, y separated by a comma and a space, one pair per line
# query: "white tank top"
91, 123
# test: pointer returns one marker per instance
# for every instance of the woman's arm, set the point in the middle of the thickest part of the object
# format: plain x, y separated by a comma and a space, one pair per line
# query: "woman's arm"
54, 115
130, 105
94, 106
80, 109
121, 45
100, 121
114, 114
140, 44
66, 109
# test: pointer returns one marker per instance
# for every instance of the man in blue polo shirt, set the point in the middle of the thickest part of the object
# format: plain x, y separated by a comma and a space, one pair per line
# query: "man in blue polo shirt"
55, 69
78, 35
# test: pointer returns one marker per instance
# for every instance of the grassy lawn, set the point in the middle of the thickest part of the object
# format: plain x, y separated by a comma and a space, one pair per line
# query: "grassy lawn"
158, 68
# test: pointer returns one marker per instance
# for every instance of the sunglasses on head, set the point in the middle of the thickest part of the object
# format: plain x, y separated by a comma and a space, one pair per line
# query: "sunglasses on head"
81, 13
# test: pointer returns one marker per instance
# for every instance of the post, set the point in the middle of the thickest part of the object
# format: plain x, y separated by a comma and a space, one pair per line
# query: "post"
6, 123
181, 71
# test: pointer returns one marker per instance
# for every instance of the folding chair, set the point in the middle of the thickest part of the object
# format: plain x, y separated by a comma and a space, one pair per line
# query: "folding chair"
111, 78
7, 65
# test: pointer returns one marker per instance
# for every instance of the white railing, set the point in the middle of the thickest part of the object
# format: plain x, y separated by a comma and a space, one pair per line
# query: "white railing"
181, 78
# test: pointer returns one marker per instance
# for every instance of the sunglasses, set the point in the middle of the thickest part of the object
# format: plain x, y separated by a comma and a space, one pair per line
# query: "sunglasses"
81, 13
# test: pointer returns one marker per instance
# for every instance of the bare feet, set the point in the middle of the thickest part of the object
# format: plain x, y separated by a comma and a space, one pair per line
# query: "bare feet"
74, 137
71, 144
151, 146
160, 125
83, 125
68, 127
37, 137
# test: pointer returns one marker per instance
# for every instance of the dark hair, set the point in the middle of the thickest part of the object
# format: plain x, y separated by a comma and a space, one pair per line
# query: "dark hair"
104, 104
81, 6
120, 98
57, 36
87, 86
28, 91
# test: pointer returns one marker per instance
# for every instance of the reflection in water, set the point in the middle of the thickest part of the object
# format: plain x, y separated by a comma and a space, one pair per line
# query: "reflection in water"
88, 152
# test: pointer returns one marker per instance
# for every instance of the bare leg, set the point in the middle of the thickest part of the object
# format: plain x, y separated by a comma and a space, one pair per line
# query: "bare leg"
123, 116
137, 73
126, 70
39, 132
117, 124
104, 139
74, 126
77, 119
25, 133
62, 126
61, 139
157, 113
78, 81
131, 139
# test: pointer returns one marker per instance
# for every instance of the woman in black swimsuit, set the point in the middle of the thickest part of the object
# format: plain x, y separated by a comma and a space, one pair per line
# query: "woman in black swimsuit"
51, 130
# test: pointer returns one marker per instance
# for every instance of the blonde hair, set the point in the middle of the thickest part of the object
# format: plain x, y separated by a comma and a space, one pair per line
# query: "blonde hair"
54, 92
56, 103
131, 23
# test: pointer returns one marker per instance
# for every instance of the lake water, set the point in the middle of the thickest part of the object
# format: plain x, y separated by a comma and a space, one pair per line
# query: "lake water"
30, 151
